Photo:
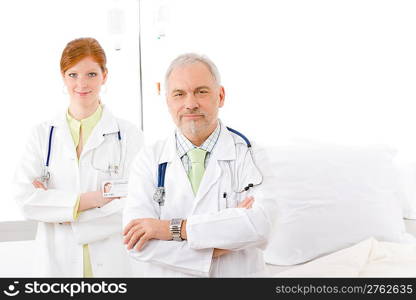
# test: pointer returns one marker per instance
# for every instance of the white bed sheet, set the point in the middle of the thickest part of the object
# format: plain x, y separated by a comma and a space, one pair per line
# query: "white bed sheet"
369, 258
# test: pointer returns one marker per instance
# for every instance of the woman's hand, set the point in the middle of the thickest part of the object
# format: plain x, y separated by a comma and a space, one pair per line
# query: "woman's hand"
93, 199
39, 184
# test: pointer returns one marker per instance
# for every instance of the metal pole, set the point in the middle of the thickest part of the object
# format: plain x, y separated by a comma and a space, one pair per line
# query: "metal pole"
140, 70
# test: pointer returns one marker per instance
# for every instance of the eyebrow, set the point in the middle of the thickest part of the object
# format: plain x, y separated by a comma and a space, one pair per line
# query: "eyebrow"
76, 71
177, 90
197, 88
203, 87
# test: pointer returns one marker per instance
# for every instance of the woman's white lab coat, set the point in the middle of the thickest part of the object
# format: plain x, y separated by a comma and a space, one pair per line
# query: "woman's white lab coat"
60, 244
213, 221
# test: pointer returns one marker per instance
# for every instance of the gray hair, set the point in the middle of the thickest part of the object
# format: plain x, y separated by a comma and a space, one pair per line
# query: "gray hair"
192, 58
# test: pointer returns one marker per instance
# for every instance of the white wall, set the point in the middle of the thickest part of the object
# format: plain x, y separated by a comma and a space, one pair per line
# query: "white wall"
332, 70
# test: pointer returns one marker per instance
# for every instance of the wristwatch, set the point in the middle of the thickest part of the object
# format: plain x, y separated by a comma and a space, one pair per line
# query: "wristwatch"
175, 229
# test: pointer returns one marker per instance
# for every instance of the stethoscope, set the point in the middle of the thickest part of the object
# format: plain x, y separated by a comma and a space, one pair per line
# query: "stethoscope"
112, 169
159, 195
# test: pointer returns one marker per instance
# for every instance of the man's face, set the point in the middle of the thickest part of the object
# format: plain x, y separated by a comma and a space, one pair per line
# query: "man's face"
193, 99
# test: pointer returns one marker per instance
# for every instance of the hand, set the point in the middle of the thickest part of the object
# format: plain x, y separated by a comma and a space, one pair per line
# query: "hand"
247, 203
39, 184
139, 231
93, 199
219, 252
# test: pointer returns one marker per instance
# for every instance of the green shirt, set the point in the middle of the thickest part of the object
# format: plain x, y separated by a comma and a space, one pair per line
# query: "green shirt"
88, 125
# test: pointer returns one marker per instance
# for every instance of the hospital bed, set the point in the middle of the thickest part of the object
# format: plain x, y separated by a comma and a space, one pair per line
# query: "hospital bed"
368, 258
342, 211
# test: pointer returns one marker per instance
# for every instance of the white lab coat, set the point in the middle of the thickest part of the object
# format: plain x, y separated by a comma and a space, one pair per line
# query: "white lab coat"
212, 221
60, 245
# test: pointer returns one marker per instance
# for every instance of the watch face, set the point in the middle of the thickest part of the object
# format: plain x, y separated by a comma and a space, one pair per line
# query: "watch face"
176, 222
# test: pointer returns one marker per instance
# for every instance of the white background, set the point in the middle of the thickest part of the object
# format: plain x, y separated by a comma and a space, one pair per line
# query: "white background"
33, 35
338, 71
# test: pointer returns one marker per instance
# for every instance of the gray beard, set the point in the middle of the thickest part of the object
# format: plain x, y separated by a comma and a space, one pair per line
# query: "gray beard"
192, 128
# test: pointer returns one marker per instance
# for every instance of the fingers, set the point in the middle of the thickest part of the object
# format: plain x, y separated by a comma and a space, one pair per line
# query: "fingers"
246, 203
136, 236
39, 185
106, 200
129, 226
141, 242
36, 184
219, 252
130, 233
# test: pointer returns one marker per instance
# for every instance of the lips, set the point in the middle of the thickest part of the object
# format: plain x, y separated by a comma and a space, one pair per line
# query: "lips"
82, 94
192, 116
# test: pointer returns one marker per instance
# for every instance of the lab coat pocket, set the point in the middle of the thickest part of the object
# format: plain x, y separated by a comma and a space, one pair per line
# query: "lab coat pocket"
232, 200
107, 159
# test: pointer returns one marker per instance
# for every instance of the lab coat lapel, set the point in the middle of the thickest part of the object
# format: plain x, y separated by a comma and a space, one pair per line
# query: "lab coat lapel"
223, 150
107, 124
63, 135
176, 180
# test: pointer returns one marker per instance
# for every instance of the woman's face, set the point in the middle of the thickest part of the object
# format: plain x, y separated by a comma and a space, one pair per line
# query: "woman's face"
107, 187
84, 80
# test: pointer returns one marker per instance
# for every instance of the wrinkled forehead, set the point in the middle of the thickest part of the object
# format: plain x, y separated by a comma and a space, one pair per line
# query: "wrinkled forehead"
190, 76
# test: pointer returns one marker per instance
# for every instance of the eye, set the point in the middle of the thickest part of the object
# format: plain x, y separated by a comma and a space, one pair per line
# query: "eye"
202, 92
177, 94
72, 75
92, 74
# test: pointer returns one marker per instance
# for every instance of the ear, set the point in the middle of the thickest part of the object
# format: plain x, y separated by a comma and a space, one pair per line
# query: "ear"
63, 80
222, 96
105, 77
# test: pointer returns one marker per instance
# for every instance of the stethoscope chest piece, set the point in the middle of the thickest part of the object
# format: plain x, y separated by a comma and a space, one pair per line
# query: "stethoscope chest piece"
159, 195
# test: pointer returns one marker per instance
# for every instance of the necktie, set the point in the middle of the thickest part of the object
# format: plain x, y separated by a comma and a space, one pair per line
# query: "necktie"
197, 157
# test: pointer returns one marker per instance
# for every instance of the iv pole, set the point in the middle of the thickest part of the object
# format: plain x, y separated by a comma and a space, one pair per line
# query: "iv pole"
140, 69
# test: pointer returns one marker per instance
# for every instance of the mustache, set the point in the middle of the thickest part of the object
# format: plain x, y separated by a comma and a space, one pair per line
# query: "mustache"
192, 111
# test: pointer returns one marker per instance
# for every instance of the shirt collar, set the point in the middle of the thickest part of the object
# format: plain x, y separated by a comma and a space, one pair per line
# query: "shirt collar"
183, 145
87, 124
90, 121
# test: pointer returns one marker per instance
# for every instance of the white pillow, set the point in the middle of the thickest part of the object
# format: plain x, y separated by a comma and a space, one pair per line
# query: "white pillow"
330, 197
407, 181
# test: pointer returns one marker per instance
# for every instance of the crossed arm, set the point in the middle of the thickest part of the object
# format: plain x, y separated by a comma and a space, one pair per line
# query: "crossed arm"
88, 200
139, 231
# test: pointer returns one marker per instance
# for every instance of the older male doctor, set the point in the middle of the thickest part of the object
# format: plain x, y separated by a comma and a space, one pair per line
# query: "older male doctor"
197, 203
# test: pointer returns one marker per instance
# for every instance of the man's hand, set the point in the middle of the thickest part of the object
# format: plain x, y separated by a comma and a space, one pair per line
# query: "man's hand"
246, 203
139, 231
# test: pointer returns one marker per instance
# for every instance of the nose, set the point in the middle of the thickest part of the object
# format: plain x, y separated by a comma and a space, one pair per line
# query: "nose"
82, 82
191, 102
